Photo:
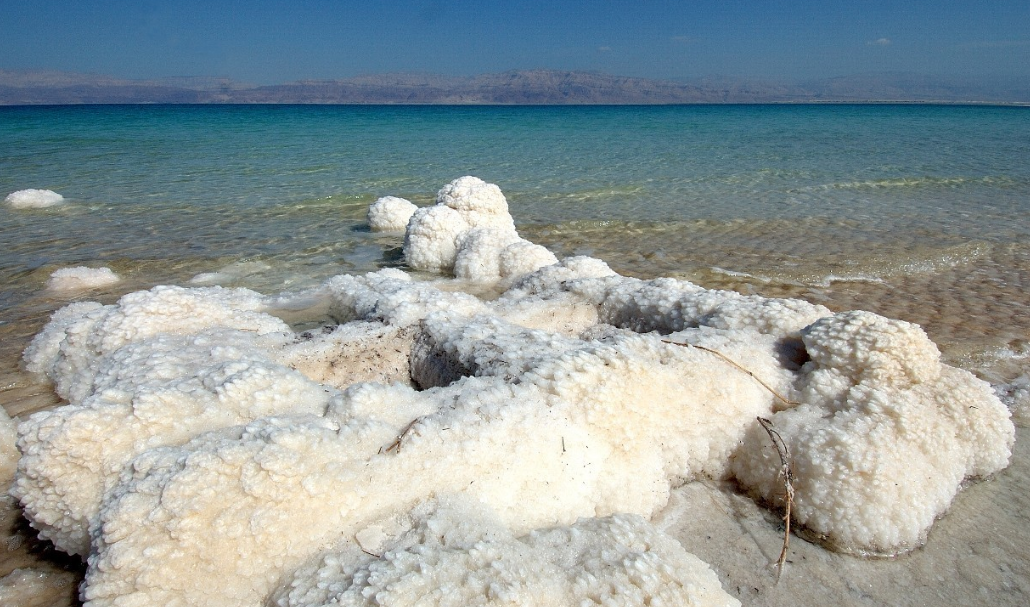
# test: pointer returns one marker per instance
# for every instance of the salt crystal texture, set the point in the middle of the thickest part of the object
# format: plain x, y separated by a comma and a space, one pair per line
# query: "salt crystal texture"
426, 444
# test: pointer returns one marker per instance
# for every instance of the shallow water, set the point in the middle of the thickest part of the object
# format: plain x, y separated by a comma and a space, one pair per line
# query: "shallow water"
914, 212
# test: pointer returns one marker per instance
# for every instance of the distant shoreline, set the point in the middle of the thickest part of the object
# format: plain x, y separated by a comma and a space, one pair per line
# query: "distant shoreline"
886, 102
514, 88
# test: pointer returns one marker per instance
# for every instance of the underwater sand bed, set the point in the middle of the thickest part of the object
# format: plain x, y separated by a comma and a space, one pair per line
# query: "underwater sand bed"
559, 409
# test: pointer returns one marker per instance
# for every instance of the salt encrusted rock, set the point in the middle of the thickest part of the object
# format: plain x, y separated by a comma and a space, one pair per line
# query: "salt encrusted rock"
541, 407
391, 297
390, 214
523, 257
81, 278
69, 349
883, 438
479, 253
33, 199
470, 233
151, 393
481, 204
431, 240
584, 424
454, 553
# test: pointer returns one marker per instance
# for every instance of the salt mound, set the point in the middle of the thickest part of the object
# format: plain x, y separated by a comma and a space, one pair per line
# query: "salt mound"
470, 234
532, 431
884, 436
390, 214
81, 279
33, 199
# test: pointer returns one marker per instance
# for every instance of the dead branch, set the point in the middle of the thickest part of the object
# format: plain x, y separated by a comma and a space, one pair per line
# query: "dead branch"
396, 444
738, 366
788, 488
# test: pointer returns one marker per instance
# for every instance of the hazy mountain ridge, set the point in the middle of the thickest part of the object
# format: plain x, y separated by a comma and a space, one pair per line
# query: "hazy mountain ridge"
518, 87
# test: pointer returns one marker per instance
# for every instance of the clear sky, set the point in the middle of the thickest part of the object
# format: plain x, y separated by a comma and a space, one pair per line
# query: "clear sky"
270, 41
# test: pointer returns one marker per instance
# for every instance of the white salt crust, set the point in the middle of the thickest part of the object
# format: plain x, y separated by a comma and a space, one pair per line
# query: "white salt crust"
33, 199
471, 446
81, 278
8, 449
390, 214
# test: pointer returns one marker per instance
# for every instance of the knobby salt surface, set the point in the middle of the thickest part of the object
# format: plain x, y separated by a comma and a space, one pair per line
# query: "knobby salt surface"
425, 442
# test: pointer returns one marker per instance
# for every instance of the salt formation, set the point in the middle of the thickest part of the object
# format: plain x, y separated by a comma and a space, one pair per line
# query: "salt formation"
487, 442
33, 199
390, 214
81, 279
470, 233
452, 553
883, 438
8, 450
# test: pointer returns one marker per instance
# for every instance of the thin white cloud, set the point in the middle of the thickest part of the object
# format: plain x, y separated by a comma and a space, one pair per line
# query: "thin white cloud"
684, 39
879, 42
604, 49
996, 44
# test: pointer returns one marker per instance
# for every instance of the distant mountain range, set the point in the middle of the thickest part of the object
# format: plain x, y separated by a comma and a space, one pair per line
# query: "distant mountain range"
519, 87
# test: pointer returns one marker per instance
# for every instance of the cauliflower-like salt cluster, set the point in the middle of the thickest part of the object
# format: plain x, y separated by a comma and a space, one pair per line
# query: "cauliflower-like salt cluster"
422, 441
470, 233
883, 438
390, 214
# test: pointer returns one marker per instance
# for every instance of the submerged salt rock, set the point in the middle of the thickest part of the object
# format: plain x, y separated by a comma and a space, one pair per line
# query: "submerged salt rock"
33, 199
81, 278
457, 553
883, 438
390, 214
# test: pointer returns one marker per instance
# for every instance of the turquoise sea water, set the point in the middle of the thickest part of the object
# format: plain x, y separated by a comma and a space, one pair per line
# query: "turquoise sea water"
915, 212
828, 202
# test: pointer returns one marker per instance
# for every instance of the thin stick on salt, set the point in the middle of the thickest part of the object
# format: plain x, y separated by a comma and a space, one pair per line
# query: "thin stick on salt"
738, 366
788, 488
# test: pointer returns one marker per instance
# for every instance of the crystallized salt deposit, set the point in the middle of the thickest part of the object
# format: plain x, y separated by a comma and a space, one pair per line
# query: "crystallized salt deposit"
424, 444
390, 214
81, 278
883, 438
33, 199
470, 234
452, 553
8, 450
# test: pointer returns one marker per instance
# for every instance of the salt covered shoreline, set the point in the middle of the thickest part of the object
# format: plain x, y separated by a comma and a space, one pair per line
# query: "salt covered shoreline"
558, 410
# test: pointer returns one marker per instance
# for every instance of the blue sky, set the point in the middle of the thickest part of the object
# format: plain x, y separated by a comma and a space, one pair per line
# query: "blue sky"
267, 41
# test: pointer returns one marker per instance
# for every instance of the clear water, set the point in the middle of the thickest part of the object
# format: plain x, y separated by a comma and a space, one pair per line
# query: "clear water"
915, 212
828, 202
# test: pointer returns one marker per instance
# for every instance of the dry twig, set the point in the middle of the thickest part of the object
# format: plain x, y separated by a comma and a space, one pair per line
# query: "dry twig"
788, 488
396, 444
738, 366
